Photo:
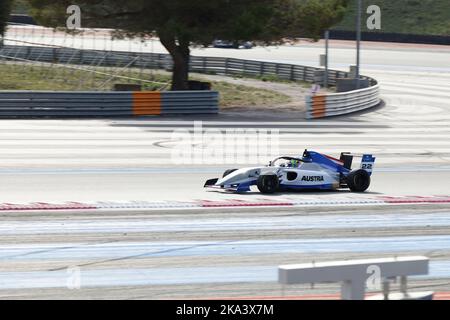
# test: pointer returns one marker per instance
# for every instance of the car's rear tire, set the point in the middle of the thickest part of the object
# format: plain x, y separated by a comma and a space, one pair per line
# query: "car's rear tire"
268, 183
358, 180
227, 172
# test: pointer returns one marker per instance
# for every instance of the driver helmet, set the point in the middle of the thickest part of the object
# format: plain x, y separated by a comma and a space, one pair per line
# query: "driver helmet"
294, 163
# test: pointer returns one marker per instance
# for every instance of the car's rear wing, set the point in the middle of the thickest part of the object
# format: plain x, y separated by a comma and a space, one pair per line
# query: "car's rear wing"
367, 161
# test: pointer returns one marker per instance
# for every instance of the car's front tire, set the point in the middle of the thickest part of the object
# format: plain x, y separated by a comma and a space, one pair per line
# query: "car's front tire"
358, 180
268, 183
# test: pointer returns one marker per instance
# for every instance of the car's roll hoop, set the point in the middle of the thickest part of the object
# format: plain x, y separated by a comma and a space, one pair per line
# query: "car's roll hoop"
273, 162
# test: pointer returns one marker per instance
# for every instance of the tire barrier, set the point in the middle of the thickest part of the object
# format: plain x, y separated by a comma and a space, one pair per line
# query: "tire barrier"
321, 106
391, 37
22, 19
34, 104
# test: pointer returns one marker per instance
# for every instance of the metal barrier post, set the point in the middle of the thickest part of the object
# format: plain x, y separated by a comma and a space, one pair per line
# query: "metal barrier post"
353, 274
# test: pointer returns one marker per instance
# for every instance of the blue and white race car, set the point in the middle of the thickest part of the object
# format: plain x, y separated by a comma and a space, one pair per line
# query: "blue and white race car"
312, 171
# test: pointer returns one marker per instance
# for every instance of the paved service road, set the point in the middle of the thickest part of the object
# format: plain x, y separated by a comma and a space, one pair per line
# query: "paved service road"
225, 252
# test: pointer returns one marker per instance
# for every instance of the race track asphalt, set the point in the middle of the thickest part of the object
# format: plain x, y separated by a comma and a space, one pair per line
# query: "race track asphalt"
223, 252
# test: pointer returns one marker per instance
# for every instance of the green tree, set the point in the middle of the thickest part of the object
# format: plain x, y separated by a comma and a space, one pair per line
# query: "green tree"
20, 6
5, 10
180, 24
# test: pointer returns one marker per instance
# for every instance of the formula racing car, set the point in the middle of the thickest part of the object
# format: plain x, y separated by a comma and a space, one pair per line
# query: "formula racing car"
311, 171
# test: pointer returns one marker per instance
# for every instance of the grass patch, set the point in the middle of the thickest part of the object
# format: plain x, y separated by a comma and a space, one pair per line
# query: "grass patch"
272, 78
34, 77
54, 78
232, 95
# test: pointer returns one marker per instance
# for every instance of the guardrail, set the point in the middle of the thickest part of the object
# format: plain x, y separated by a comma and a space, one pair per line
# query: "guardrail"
106, 104
321, 106
317, 106
216, 65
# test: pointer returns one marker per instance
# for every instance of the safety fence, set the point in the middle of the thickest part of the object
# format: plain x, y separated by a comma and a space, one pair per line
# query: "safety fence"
106, 104
207, 65
317, 106
321, 106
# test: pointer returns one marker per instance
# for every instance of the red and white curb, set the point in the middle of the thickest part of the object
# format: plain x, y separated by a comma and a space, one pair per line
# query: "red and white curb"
46, 206
230, 203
